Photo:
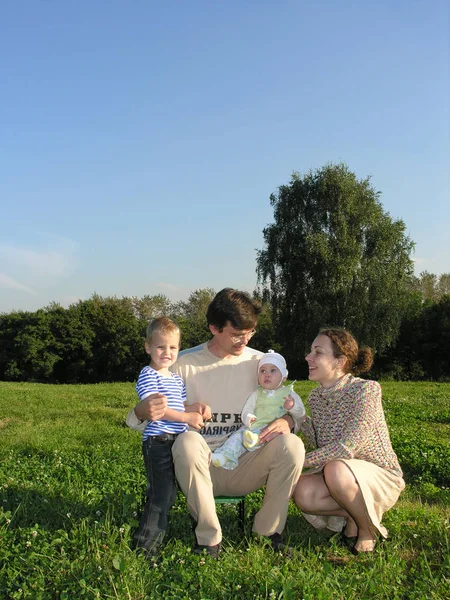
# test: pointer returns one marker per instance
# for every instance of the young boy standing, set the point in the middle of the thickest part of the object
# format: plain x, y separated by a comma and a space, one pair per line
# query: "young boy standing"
156, 381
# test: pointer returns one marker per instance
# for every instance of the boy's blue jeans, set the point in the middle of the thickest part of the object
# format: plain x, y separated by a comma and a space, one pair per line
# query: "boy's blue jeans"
161, 491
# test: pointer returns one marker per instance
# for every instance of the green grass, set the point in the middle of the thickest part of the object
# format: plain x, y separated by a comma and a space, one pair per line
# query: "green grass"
72, 484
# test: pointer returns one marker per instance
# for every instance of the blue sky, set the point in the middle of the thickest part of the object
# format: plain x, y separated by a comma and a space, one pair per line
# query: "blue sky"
140, 141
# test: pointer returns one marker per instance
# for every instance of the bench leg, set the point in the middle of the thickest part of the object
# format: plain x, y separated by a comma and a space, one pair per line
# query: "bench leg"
241, 509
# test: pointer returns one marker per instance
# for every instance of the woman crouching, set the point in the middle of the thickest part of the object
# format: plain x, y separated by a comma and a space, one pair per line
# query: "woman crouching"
354, 472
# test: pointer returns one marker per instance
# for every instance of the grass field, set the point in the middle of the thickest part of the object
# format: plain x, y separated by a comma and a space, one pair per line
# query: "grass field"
72, 484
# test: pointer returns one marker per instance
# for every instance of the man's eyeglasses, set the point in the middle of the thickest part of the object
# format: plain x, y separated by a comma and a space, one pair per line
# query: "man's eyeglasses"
241, 336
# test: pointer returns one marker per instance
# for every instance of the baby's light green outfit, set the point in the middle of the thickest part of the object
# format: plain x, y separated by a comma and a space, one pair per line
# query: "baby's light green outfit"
266, 406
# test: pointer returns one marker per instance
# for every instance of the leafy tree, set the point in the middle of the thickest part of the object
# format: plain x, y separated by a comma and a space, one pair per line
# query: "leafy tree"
432, 287
28, 346
423, 347
333, 256
117, 348
426, 284
191, 317
403, 361
432, 339
443, 285
73, 343
10, 359
150, 307
264, 338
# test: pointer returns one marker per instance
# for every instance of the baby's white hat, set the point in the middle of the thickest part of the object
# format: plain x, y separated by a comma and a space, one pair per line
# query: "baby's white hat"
273, 358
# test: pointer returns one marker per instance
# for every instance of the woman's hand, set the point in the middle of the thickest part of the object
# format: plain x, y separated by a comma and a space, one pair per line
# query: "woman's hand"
277, 427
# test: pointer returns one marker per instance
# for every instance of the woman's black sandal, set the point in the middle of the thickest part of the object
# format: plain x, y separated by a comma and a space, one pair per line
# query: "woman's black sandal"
348, 541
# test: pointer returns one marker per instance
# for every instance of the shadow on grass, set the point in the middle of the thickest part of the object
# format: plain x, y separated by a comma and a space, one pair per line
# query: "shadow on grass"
29, 506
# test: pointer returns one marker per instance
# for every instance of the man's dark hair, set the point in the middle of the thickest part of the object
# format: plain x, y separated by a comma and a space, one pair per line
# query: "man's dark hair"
234, 306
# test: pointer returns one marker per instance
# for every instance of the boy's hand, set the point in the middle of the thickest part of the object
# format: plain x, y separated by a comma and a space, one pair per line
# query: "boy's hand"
205, 411
288, 402
195, 420
152, 408
202, 409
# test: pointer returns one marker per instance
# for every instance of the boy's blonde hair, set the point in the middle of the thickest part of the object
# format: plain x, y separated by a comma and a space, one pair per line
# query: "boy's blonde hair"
162, 325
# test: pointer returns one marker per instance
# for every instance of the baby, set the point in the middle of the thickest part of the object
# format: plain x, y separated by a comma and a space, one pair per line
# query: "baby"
270, 401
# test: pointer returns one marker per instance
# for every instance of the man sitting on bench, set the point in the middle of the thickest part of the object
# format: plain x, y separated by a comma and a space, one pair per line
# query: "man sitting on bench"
222, 373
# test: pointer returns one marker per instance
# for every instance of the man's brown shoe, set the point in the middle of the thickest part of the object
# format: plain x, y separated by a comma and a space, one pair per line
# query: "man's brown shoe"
212, 551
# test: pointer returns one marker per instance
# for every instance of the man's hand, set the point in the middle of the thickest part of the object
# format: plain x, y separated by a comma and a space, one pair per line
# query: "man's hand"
277, 427
151, 408
194, 419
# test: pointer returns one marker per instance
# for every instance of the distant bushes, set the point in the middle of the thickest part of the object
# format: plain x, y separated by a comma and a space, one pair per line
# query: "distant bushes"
422, 350
101, 339
98, 340
95, 340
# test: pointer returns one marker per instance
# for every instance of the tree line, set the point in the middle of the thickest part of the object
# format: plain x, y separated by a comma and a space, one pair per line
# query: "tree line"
332, 256
102, 339
95, 340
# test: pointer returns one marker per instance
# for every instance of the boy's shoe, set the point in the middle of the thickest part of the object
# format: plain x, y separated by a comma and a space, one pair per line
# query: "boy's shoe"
149, 553
279, 546
212, 551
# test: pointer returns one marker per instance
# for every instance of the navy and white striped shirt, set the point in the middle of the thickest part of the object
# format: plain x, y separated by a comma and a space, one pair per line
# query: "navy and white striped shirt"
151, 382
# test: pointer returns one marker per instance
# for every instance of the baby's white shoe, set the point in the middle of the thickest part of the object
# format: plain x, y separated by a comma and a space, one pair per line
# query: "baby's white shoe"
250, 439
218, 459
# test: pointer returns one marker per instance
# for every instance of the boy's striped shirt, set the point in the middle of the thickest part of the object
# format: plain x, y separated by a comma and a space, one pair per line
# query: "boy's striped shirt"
151, 382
